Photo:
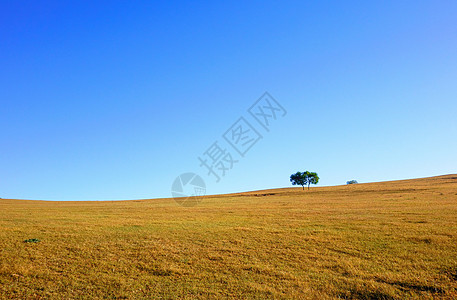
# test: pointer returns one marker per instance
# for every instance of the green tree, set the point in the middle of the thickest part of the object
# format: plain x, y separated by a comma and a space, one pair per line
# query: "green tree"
311, 178
298, 179
304, 178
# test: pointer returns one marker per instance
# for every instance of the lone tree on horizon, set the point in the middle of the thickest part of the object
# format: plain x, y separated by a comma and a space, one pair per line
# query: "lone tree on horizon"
304, 178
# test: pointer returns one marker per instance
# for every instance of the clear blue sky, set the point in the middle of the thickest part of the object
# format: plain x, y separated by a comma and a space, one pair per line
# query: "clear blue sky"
114, 99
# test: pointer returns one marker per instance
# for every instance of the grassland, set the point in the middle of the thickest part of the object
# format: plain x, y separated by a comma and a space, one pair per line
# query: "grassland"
387, 240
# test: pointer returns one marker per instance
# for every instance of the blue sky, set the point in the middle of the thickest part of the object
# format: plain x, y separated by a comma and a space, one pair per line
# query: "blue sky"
111, 100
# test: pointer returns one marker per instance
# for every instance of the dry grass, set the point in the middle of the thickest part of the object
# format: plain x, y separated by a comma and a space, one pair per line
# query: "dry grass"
366, 241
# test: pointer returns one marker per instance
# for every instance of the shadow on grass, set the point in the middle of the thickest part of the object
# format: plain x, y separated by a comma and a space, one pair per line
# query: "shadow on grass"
365, 294
409, 286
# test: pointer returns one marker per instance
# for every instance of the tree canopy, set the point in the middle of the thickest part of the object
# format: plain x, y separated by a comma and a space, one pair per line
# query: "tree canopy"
304, 178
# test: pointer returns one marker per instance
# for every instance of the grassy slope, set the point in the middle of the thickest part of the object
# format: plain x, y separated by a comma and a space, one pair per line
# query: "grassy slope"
391, 239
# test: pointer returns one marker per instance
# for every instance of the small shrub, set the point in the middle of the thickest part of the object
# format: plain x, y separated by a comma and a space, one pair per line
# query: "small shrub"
32, 241
352, 182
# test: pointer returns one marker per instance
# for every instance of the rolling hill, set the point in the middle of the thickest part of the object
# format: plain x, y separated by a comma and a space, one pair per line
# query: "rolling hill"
387, 240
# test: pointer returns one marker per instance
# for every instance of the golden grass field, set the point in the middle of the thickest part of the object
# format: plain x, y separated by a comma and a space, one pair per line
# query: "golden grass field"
389, 240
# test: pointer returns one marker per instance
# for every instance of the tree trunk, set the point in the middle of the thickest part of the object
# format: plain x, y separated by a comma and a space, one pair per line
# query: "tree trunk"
303, 187
308, 186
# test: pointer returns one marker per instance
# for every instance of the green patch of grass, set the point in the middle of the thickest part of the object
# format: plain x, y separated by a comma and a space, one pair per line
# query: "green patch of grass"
32, 241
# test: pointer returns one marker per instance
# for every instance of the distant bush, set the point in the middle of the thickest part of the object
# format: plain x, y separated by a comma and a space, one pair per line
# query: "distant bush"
32, 241
352, 182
